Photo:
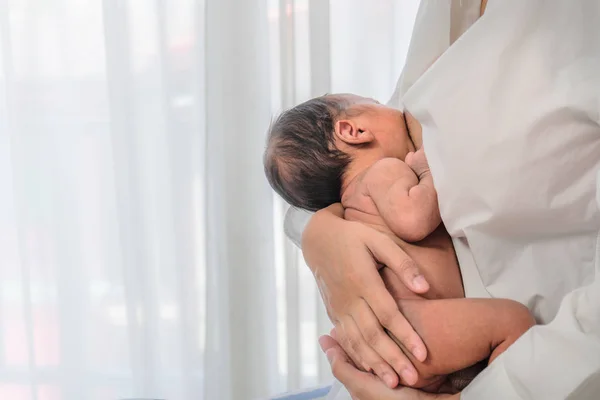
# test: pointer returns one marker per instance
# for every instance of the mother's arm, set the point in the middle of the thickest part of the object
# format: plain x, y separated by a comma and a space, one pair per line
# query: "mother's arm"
344, 258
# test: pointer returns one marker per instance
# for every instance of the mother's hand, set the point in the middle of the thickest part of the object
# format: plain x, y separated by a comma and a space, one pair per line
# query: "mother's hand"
366, 386
344, 256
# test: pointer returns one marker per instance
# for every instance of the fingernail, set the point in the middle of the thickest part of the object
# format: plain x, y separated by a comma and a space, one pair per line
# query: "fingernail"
419, 353
389, 380
420, 283
409, 376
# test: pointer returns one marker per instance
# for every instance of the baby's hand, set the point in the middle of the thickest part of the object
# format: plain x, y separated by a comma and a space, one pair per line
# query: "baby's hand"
418, 163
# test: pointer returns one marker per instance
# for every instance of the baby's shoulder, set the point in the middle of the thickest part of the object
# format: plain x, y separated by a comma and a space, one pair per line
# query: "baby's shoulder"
387, 168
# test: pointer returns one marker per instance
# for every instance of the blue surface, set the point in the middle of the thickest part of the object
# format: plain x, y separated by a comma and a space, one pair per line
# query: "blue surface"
311, 394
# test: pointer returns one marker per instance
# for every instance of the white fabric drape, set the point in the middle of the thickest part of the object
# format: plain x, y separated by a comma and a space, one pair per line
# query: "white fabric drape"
141, 249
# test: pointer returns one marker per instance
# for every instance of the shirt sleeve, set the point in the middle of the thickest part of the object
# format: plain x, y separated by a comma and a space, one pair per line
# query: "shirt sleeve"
560, 360
294, 224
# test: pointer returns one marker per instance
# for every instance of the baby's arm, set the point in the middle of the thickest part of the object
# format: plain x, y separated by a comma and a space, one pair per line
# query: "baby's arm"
407, 203
461, 332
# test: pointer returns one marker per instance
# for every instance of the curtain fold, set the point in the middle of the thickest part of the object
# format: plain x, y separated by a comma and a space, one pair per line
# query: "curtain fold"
141, 249
239, 199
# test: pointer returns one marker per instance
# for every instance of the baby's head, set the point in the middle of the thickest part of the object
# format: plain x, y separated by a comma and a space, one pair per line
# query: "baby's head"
317, 147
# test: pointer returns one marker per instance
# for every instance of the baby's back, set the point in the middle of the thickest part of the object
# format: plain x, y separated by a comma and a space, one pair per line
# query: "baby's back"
435, 254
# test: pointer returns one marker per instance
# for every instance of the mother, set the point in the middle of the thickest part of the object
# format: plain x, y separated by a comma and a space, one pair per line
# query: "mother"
510, 121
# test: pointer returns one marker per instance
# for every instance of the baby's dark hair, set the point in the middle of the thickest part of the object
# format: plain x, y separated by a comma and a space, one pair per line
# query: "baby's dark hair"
301, 161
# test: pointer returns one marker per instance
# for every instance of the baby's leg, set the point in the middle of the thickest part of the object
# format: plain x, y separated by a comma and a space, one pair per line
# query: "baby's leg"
460, 333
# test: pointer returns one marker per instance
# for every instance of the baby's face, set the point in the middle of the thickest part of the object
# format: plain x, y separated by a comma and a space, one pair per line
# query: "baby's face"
386, 124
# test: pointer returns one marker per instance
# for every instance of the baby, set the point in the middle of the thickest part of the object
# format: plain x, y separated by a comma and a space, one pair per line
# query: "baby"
350, 149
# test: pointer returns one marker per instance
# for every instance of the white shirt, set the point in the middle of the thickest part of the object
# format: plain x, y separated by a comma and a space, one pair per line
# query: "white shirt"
510, 114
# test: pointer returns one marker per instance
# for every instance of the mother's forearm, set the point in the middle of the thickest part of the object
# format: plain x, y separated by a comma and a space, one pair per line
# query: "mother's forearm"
312, 237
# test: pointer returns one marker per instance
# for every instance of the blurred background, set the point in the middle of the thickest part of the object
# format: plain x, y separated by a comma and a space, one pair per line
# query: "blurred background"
141, 249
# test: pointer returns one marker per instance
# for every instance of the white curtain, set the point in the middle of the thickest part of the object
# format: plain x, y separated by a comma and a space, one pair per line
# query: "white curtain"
141, 249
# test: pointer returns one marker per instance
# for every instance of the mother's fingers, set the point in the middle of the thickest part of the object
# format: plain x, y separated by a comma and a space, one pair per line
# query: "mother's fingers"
386, 310
341, 365
354, 345
387, 252
382, 353
384, 306
349, 338
327, 342
361, 385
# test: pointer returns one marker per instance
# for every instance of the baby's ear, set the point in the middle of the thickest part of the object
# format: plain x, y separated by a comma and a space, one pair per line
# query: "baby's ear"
349, 132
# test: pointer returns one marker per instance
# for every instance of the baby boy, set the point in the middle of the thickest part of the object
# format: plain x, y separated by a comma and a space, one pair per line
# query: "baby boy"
350, 149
